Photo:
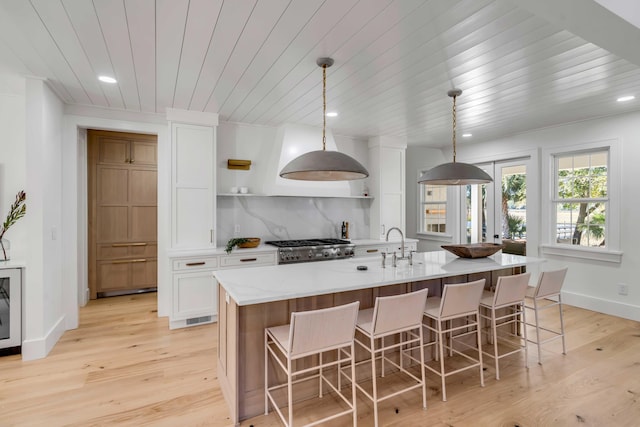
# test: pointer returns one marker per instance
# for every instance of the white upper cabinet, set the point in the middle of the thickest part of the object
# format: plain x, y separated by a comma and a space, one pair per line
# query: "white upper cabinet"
387, 184
193, 179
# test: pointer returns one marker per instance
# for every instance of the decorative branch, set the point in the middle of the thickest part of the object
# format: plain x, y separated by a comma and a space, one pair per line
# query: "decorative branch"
18, 210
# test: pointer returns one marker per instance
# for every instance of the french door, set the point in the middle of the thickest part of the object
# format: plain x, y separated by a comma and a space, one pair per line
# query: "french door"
497, 212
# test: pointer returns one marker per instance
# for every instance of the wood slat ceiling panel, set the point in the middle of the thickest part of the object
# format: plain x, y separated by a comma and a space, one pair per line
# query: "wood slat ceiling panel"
171, 20
57, 24
85, 23
112, 24
376, 24
288, 27
264, 18
401, 50
232, 21
491, 91
421, 78
201, 22
22, 58
140, 59
46, 48
306, 83
519, 65
289, 69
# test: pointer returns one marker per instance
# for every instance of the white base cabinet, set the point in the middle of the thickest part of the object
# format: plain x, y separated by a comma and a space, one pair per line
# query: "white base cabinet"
195, 290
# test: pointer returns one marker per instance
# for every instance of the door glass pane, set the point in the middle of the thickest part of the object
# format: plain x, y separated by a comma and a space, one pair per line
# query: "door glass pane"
513, 222
476, 208
4, 309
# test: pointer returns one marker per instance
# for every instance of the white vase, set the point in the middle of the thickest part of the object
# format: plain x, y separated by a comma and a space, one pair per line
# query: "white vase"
5, 250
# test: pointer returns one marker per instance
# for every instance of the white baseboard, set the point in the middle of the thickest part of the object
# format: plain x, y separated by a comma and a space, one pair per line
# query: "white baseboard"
39, 348
613, 308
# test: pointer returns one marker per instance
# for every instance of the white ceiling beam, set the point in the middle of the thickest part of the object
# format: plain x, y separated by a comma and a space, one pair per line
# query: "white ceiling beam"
592, 22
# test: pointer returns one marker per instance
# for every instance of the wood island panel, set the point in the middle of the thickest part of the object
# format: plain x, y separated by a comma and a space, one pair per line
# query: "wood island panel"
241, 335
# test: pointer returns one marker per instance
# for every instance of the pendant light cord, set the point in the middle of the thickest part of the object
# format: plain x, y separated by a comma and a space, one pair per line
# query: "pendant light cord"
324, 106
454, 128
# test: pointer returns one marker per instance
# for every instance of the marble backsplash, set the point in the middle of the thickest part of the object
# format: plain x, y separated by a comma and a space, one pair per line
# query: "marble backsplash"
285, 218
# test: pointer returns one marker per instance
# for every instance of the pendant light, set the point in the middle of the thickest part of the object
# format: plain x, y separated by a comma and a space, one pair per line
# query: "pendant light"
454, 173
323, 165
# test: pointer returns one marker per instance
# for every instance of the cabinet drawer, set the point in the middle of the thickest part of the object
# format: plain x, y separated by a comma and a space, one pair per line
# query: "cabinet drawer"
123, 250
369, 250
185, 264
248, 260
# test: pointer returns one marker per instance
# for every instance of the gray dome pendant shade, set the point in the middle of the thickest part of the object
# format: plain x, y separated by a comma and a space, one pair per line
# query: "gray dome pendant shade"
454, 173
323, 165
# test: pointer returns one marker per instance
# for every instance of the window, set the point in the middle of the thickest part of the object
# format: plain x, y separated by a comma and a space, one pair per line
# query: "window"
433, 209
581, 201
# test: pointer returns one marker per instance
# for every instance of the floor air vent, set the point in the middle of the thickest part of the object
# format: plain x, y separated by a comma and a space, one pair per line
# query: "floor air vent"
196, 320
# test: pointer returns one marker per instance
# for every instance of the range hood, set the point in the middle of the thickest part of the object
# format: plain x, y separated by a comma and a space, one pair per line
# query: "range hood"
292, 141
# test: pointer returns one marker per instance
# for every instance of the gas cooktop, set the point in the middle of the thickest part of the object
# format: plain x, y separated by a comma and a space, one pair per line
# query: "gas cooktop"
307, 242
291, 251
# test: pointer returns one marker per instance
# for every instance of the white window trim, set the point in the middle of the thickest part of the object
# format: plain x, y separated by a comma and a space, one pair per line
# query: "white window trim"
548, 245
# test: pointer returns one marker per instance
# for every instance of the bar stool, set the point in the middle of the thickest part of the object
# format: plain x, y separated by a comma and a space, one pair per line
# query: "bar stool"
548, 290
312, 333
509, 299
459, 301
400, 316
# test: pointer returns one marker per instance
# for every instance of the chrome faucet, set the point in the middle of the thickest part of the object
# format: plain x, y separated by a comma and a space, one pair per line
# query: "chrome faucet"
401, 236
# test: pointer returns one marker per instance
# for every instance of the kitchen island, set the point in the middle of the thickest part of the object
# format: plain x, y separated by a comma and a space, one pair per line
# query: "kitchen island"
252, 299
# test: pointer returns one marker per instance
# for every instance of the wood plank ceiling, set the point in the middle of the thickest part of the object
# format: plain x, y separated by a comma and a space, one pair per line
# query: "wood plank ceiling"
520, 66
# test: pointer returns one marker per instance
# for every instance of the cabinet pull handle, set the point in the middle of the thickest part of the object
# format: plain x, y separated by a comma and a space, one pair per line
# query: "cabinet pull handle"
372, 251
211, 236
248, 259
128, 261
193, 264
121, 245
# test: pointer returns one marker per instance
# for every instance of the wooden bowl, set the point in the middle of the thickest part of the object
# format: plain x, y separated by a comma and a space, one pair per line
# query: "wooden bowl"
252, 243
473, 250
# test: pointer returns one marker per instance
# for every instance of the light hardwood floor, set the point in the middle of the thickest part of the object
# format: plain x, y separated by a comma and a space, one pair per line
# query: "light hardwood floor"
124, 367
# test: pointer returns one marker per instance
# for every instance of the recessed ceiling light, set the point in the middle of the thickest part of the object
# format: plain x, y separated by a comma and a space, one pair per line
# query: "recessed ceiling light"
626, 98
332, 114
467, 135
107, 79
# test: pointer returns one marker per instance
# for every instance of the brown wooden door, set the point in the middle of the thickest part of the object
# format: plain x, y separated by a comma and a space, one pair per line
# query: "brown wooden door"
122, 185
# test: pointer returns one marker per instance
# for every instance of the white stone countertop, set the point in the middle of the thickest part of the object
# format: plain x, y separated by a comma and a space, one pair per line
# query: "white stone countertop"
282, 282
395, 239
12, 264
262, 247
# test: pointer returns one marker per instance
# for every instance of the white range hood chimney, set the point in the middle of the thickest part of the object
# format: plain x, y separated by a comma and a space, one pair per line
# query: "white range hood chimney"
292, 141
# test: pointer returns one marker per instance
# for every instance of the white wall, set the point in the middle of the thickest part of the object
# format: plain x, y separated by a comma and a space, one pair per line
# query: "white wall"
43, 292
589, 284
12, 156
